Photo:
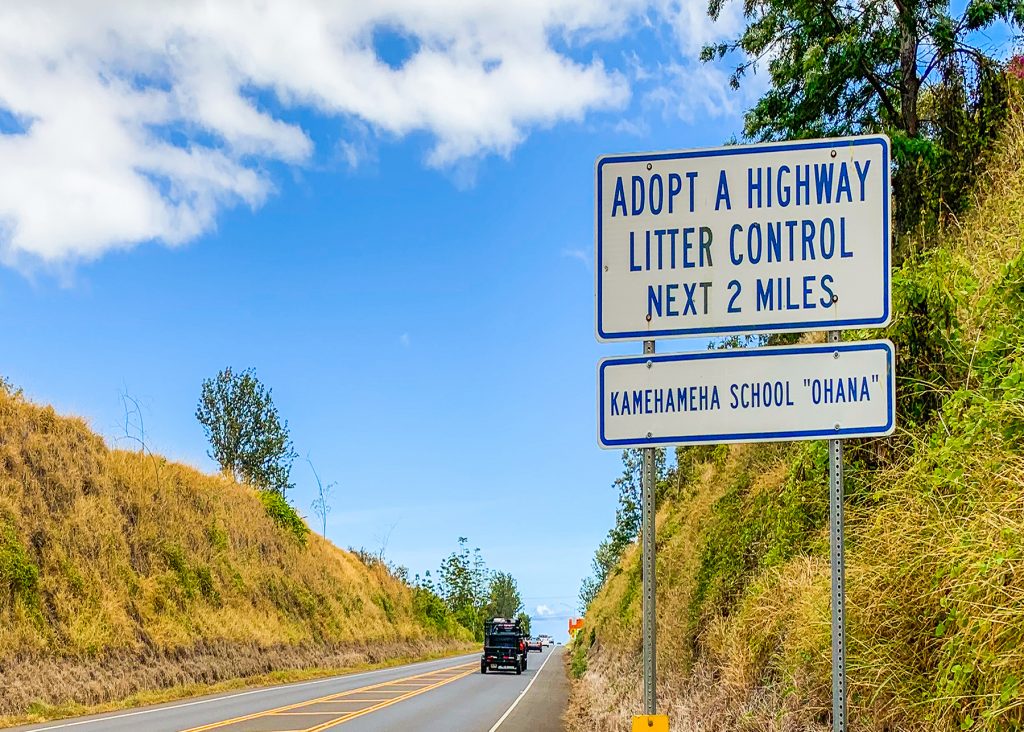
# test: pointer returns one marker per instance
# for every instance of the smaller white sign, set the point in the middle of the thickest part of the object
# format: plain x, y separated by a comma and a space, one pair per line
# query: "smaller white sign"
804, 392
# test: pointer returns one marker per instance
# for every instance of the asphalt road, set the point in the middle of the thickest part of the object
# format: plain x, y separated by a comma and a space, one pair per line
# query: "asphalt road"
436, 696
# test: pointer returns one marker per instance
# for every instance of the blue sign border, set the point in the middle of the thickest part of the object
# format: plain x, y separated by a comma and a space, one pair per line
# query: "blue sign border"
838, 142
882, 345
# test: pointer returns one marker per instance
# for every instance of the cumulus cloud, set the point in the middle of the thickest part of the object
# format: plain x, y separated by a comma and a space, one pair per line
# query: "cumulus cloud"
126, 122
544, 611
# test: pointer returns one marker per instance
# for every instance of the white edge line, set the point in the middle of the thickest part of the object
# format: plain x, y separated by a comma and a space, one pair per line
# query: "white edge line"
522, 693
279, 687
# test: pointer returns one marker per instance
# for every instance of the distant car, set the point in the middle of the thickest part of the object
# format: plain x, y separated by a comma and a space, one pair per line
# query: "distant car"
535, 644
547, 640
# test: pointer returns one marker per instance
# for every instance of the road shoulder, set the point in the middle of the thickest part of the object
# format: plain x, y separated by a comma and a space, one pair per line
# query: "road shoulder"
542, 708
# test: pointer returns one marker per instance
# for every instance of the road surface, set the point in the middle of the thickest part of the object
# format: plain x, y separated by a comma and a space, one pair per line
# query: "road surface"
450, 695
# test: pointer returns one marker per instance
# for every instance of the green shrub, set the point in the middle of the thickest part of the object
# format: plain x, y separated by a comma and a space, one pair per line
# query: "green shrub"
284, 515
580, 648
192, 579
431, 610
19, 577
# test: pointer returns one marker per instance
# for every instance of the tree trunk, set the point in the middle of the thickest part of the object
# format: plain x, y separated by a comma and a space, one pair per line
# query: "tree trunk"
906, 183
910, 84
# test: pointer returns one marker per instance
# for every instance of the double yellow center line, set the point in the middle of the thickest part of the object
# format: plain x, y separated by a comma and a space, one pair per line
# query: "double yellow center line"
336, 709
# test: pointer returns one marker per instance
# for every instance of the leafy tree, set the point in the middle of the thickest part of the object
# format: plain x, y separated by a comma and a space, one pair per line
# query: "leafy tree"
524, 620
504, 600
628, 519
463, 586
906, 67
629, 515
247, 438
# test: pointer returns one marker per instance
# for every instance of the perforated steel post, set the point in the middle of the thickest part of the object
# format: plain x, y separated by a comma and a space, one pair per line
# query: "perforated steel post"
647, 540
835, 515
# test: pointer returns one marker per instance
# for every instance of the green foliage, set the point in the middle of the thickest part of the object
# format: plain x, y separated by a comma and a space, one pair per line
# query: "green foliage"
194, 580
580, 648
503, 600
247, 437
524, 621
218, 536
752, 531
432, 612
284, 515
464, 587
908, 69
470, 592
19, 576
588, 591
924, 327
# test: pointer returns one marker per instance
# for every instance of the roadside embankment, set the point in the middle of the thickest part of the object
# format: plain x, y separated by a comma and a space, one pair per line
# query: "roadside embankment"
122, 573
935, 531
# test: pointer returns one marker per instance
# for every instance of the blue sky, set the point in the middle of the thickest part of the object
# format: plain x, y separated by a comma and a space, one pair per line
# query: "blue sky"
424, 318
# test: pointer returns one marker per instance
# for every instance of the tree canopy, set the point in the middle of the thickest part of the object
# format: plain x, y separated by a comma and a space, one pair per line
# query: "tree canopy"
247, 437
504, 600
911, 68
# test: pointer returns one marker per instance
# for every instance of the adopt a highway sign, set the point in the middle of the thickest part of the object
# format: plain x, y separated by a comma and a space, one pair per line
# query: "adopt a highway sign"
827, 391
790, 236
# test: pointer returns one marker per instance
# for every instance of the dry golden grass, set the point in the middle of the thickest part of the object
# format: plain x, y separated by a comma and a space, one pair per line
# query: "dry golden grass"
121, 571
165, 679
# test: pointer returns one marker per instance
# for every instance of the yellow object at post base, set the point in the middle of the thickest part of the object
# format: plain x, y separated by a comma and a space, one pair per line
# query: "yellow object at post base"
650, 723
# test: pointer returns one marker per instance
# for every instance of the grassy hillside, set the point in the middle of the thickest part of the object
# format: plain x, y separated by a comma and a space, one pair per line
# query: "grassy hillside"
935, 531
122, 572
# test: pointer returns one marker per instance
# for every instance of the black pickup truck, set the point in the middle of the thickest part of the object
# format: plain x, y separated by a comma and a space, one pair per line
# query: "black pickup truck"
504, 646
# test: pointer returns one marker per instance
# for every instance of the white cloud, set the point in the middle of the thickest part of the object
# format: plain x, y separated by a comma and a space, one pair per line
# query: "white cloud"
544, 611
405, 339
578, 254
142, 120
694, 29
697, 91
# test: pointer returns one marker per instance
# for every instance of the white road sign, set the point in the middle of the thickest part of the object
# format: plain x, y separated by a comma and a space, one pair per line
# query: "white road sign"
788, 236
830, 390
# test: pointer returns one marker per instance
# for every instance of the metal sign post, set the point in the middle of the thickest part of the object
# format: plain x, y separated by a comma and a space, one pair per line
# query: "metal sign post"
650, 620
835, 515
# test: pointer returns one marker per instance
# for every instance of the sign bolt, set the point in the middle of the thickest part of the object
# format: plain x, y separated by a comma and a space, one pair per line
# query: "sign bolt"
833, 153
837, 426
835, 354
649, 435
650, 363
649, 166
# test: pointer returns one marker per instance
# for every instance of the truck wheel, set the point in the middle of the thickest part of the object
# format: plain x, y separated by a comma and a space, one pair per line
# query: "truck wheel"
483, 667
